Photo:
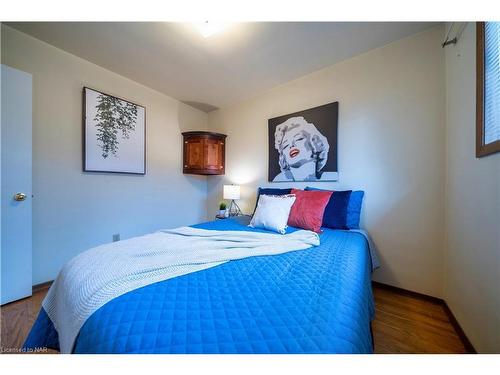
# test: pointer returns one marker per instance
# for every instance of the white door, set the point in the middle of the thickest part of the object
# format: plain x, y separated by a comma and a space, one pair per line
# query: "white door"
15, 180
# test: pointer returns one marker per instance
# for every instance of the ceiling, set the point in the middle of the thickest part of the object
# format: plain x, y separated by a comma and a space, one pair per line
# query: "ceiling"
235, 64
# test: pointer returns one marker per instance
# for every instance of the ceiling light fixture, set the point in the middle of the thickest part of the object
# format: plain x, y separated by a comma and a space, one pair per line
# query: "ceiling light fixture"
210, 28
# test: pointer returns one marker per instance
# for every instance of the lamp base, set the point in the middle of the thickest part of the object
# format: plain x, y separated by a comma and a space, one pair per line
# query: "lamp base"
234, 209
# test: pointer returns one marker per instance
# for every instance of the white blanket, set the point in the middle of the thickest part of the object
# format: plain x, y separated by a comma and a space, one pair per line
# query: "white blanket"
100, 274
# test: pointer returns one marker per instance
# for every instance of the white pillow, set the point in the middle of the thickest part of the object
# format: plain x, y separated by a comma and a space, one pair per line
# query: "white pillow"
272, 212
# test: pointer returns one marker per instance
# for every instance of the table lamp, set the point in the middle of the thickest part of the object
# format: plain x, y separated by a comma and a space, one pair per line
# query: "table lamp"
232, 192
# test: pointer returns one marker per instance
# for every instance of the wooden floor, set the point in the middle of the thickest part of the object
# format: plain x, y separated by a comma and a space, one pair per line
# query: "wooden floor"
403, 324
410, 324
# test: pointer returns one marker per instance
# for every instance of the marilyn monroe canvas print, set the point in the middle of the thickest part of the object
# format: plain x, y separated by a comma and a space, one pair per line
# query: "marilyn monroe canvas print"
303, 145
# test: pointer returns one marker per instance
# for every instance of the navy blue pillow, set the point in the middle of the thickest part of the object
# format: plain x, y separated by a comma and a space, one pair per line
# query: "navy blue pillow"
270, 191
335, 215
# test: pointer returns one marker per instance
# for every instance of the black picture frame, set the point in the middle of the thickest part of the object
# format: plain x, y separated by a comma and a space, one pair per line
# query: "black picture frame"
319, 124
91, 167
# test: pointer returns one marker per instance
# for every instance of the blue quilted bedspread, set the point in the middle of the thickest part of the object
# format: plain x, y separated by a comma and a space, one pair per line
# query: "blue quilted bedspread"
314, 301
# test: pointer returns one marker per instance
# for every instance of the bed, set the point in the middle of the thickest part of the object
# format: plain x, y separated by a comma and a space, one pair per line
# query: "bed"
317, 300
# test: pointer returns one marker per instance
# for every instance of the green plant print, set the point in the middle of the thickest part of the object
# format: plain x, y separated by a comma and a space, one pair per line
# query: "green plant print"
114, 118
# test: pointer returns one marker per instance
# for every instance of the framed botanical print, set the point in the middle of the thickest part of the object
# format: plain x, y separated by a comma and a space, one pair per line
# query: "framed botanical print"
303, 145
114, 134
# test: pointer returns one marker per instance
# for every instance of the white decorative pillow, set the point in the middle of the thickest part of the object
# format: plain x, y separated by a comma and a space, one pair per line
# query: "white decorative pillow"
272, 212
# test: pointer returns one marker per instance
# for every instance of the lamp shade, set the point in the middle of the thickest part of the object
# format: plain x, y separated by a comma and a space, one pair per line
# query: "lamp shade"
231, 192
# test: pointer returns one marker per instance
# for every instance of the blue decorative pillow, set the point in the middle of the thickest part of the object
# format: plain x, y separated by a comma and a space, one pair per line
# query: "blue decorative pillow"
335, 217
354, 209
270, 191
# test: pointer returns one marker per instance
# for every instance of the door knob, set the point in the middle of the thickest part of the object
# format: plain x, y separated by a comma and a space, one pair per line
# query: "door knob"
20, 197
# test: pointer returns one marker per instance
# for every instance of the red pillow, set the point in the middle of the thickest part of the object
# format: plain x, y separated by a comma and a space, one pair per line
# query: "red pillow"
307, 211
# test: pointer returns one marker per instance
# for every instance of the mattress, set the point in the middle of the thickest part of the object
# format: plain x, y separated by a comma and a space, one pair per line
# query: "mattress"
317, 300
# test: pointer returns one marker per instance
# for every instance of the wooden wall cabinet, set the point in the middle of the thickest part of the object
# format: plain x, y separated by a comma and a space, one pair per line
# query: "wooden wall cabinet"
204, 153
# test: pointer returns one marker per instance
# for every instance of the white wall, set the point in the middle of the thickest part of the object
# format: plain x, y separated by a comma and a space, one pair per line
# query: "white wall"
391, 144
72, 210
472, 282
